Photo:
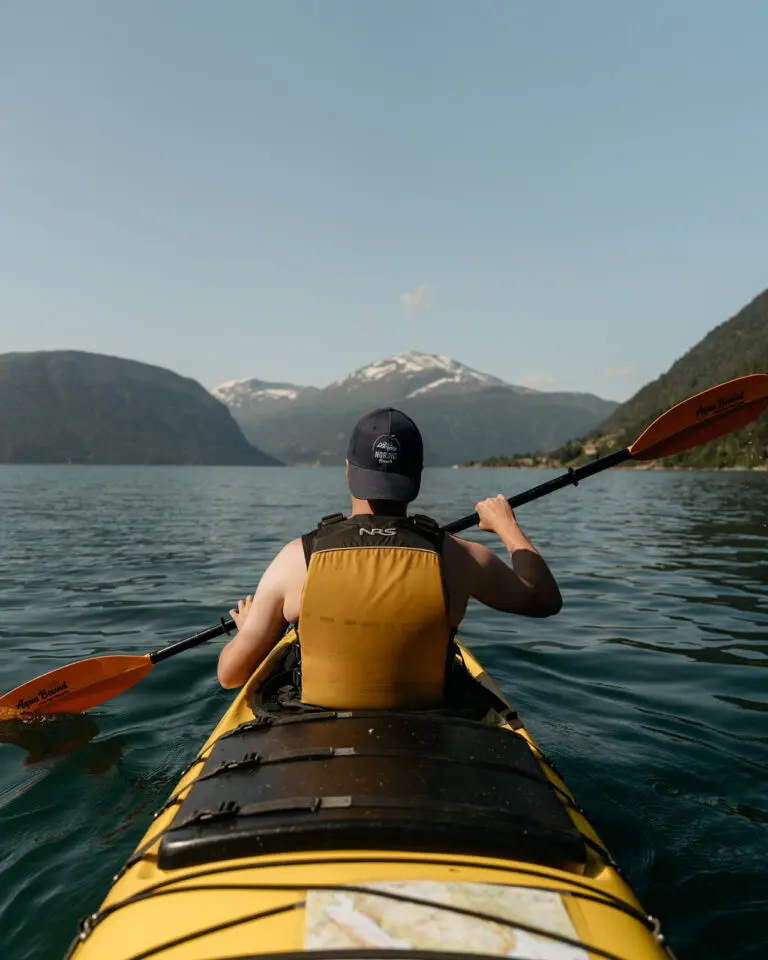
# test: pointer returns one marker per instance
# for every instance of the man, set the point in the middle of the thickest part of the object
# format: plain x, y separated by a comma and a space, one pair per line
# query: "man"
378, 595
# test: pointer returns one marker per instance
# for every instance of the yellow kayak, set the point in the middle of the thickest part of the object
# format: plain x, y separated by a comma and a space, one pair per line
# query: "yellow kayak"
300, 832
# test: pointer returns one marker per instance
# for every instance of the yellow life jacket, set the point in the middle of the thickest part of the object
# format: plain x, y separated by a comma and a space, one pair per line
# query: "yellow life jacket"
373, 624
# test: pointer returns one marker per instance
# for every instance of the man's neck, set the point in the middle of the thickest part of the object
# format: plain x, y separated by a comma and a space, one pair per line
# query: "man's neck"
377, 508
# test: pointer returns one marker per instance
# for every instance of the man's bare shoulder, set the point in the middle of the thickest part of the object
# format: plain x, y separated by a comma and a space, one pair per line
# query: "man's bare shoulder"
286, 566
291, 556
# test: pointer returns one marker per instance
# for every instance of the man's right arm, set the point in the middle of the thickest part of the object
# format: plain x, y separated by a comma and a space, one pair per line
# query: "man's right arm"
259, 619
526, 587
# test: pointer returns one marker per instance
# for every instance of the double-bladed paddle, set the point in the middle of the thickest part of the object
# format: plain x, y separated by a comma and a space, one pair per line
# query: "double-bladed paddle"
703, 417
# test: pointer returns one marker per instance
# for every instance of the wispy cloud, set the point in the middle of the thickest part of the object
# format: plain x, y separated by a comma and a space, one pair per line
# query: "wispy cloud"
539, 381
417, 300
617, 373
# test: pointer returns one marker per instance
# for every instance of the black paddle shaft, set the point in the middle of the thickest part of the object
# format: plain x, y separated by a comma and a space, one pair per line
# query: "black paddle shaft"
224, 626
572, 477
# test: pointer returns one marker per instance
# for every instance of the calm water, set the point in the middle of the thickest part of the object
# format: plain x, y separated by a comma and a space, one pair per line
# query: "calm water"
649, 689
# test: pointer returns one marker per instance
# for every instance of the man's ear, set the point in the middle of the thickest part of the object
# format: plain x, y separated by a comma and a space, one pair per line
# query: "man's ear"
346, 469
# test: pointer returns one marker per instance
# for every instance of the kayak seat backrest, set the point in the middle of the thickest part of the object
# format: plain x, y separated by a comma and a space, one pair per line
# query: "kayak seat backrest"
464, 696
372, 781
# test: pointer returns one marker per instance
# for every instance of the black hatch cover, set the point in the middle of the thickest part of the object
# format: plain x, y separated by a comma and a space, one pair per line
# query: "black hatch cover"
375, 782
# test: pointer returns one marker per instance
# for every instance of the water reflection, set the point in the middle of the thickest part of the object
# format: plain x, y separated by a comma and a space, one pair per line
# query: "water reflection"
52, 737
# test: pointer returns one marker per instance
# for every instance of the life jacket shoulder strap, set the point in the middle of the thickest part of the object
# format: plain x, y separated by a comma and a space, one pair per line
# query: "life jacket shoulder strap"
331, 518
429, 528
308, 539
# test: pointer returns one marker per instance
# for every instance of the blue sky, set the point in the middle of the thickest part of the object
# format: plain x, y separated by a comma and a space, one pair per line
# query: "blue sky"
564, 194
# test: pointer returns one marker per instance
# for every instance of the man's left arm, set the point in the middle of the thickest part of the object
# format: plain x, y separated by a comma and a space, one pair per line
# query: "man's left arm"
260, 623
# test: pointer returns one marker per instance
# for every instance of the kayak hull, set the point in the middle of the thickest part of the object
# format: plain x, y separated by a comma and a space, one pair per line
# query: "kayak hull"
301, 835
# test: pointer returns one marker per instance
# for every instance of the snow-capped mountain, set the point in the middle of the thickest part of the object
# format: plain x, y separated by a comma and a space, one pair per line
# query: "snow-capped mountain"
401, 376
396, 378
250, 393
463, 414
411, 374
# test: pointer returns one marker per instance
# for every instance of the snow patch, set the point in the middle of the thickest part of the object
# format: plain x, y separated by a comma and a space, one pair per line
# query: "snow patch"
237, 393
275, 393
431, 386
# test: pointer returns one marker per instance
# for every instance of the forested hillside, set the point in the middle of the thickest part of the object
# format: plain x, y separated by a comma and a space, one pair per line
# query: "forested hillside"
68, 406
733, 349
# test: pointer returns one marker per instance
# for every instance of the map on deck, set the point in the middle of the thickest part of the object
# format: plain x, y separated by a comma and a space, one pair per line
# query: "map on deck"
348, 918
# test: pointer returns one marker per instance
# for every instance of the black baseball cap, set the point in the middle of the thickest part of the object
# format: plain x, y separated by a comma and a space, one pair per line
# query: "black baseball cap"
386, 456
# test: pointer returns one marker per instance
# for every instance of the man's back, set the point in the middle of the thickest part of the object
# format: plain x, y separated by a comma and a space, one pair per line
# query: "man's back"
290, 574
470, 570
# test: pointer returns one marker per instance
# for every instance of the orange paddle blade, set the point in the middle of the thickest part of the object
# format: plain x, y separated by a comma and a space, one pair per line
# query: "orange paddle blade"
75, 687
703, 417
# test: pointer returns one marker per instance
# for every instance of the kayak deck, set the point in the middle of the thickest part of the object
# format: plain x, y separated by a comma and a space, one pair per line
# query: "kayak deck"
323, 832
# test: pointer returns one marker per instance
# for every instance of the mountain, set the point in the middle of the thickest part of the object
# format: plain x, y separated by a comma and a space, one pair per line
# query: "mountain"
736, 347
249, 394
733, 349
69, 406
462, 413
413, 374
403, 375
